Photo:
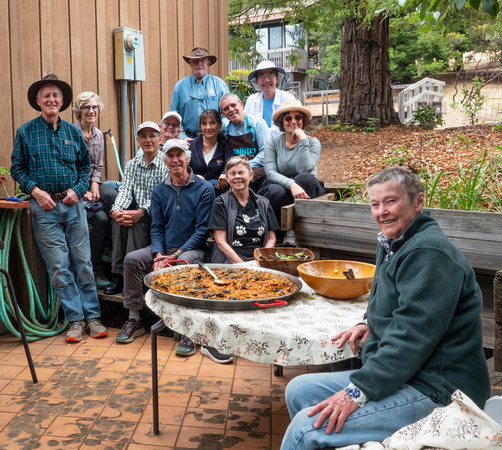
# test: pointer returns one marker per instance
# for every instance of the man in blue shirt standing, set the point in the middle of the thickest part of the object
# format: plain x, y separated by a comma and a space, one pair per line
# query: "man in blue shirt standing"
50, 161
197, 92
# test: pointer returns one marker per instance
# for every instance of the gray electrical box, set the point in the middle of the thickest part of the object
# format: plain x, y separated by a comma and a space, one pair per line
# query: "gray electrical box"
129, 54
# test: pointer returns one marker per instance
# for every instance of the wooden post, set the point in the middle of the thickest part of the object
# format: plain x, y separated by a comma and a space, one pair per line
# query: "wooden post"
497, 306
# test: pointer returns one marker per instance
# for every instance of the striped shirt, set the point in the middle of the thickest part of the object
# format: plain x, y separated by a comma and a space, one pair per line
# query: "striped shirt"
52, 160
139, 181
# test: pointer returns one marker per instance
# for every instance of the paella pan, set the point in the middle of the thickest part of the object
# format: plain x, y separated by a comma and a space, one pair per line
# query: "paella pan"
244, 288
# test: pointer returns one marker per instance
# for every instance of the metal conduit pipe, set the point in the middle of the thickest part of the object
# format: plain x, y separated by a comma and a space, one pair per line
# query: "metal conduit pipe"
123, 123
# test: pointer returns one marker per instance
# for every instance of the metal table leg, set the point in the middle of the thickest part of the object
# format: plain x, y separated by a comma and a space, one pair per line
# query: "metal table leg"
157, 328
20, 325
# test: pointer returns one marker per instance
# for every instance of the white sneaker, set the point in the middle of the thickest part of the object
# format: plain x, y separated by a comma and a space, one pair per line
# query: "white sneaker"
289, 239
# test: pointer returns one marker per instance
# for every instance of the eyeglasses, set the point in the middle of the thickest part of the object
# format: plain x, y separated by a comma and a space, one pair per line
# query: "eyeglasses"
171, 125
297, 117
148, 136
89, 107
268, 76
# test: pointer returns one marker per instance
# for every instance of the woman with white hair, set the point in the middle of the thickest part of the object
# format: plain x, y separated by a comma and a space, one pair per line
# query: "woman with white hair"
100, 197
266, 79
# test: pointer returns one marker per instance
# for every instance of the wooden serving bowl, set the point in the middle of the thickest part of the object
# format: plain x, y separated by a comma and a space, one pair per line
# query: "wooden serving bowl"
327, 278
283, 265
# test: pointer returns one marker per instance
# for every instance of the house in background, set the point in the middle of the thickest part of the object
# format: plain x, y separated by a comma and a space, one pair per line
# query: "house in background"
278, 41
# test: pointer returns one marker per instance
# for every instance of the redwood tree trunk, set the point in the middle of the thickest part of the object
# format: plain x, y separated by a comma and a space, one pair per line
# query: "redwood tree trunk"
365, 83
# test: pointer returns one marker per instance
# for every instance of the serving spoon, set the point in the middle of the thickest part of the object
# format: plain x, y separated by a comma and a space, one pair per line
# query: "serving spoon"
216, 279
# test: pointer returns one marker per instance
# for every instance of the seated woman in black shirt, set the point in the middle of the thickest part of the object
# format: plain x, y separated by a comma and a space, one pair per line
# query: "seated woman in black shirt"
241, 219
210, 151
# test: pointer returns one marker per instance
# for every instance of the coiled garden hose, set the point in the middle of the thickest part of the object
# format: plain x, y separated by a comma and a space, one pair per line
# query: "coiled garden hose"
35, 328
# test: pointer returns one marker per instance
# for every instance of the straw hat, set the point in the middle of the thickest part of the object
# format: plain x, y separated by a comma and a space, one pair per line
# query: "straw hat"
198, 53
291, 105
281, 74
50, 79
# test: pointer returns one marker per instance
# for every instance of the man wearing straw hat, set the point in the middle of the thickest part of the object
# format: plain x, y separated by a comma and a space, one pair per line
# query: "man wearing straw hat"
50, 161
197, 92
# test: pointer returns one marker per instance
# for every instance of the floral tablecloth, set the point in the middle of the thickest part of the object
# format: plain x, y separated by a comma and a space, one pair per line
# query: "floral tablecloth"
297, 334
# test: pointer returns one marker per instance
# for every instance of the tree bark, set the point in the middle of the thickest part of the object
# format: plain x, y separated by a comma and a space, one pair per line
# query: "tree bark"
365, 82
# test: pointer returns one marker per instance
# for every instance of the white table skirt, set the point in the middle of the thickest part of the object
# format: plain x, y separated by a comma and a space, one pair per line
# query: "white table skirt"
297, 334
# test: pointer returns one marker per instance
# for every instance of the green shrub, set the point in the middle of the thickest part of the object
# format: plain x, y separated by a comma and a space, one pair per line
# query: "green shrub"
427, 117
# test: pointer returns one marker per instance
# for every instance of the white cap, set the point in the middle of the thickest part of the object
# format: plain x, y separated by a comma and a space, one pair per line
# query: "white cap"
176, 143
152, 125
172, 114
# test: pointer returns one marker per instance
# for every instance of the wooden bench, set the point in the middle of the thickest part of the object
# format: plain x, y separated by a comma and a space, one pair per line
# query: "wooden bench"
346, 230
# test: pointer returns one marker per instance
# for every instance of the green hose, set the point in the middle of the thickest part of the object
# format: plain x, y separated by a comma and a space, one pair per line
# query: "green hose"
35, 329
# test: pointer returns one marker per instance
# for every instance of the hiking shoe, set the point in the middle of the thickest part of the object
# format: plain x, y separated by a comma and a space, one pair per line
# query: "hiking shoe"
75, 331
186, 347
289, 239
100, 278
215, 355
96, 328
132, 329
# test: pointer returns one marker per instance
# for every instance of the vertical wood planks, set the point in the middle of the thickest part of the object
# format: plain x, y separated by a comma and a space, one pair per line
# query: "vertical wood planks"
74, 40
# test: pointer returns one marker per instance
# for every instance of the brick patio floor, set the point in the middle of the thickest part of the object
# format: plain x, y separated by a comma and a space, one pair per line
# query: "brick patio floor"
97, 394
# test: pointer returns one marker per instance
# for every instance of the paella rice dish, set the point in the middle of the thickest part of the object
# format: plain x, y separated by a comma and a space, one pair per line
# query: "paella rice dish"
239, 284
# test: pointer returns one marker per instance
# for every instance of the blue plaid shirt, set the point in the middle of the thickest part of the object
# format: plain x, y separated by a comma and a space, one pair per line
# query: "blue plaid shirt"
52, 160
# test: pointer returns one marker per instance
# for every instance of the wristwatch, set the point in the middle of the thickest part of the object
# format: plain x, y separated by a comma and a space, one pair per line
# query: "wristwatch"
177, 254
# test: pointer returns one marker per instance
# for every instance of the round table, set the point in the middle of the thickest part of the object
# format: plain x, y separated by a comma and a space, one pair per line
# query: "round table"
297, 334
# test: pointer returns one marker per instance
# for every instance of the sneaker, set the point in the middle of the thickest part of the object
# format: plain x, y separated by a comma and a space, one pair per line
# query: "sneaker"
289, 239
75, 331
186, 347
100, 278
132, 329
96, 328
215, 355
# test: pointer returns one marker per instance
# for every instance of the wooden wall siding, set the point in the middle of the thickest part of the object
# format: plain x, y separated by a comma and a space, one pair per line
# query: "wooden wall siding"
74, 40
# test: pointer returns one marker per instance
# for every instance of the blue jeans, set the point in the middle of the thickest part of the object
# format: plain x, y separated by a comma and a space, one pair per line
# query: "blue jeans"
376, 421
62, 236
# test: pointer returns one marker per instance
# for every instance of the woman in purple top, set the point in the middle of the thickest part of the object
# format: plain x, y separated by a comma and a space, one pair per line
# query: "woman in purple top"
211, 151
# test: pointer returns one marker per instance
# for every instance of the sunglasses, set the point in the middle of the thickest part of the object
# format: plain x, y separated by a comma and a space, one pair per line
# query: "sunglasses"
297, 117
171, 125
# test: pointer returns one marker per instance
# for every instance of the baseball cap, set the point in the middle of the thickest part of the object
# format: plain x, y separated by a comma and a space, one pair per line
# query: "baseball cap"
172, 114
176, 143
151, 125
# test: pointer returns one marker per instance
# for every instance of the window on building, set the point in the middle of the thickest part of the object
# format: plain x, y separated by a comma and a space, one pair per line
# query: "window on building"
279, 36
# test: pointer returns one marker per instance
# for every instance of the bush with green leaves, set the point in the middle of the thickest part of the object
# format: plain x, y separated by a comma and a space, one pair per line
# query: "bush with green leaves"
473, 100
239, 83
372, 124
427, 117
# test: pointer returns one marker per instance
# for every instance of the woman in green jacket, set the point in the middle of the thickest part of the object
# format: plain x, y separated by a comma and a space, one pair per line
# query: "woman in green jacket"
422, 339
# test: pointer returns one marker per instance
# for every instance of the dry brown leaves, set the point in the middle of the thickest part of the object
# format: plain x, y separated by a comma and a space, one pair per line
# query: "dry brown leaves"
351, 157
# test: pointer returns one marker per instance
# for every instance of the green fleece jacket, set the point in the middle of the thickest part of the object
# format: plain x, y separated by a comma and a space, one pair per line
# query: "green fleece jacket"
424, 318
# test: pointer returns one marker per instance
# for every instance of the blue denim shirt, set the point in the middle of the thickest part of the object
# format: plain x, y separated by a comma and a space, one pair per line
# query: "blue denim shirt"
190, 98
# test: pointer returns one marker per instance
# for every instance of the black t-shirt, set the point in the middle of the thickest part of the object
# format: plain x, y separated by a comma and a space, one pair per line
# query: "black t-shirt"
249, 229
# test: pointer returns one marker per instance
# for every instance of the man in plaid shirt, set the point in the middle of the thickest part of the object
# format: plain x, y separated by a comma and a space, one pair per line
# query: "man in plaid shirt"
131, 210
50, 162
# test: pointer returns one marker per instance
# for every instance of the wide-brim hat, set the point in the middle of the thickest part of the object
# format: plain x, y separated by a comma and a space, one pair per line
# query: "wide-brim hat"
291, 105
198, 53
50, 79
281, 74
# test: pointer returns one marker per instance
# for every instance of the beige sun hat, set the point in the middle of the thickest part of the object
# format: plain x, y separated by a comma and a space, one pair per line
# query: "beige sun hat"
291, 105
